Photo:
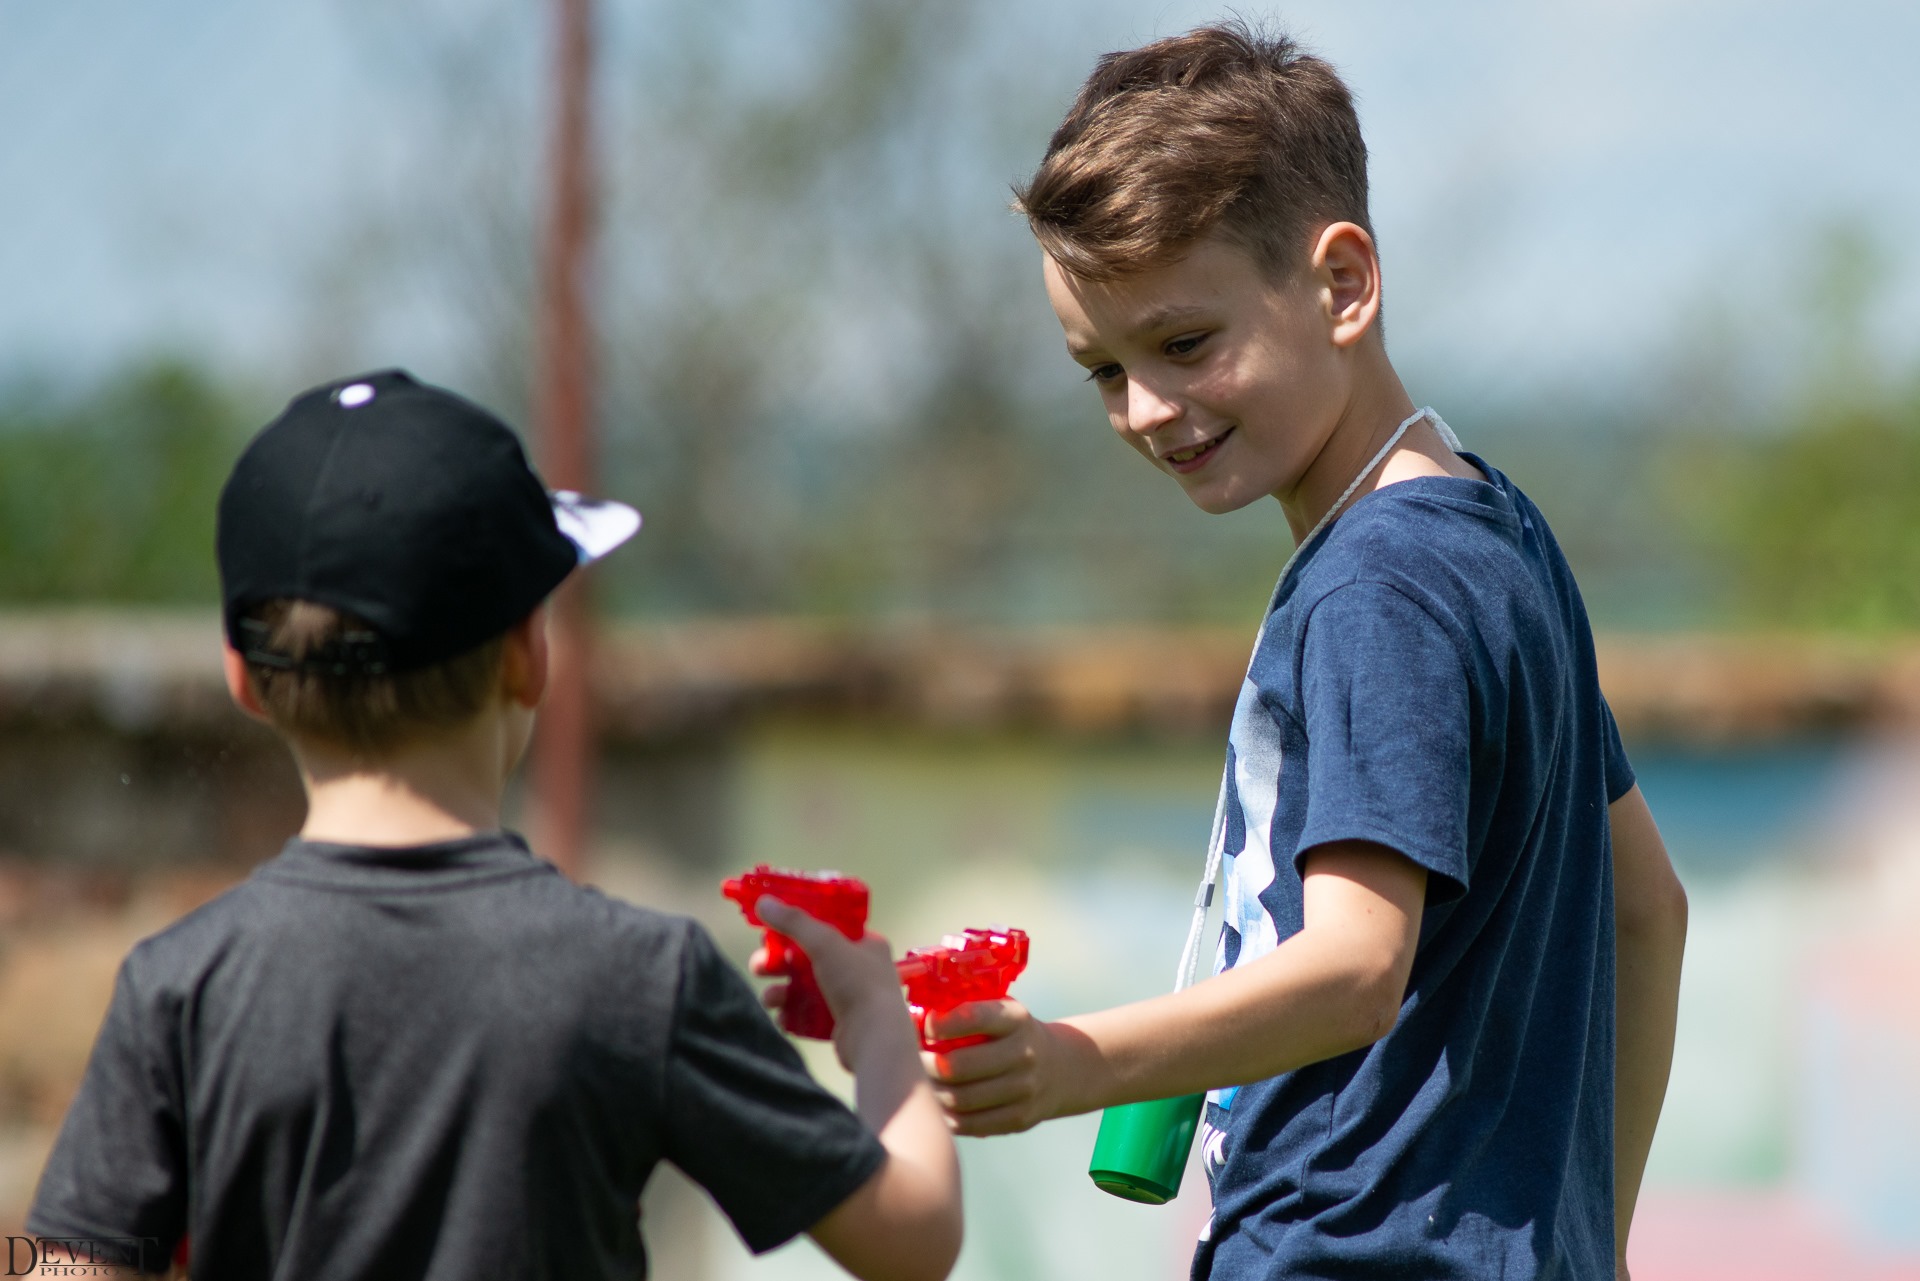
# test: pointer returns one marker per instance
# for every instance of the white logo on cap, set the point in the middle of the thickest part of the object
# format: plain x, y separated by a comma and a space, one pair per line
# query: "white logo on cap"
356, 395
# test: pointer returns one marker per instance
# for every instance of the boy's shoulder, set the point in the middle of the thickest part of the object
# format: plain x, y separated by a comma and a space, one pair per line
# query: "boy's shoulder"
1464, 551
1405, 533
334, 902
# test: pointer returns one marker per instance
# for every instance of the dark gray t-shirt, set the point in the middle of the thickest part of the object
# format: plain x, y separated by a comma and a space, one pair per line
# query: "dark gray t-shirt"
446, 1061
1426, 680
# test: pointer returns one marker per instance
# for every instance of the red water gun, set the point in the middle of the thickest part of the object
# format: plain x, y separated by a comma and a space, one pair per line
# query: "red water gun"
979, 965
840, 901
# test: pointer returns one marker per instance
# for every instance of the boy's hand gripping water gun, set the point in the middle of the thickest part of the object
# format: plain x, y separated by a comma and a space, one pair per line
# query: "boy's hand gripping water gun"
979, 965
840, 901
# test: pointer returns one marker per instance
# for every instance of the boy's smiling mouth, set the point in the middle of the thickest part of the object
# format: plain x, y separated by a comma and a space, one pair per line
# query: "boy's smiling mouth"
1192, 457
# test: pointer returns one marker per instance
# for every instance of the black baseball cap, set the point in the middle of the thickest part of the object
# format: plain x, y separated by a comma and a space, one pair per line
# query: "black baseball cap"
407, 506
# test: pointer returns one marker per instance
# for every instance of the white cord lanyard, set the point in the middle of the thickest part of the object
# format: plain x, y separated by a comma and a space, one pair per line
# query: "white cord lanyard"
1189, 969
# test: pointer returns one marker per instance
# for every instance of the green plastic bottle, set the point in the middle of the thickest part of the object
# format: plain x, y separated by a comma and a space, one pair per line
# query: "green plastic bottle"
1142, 1148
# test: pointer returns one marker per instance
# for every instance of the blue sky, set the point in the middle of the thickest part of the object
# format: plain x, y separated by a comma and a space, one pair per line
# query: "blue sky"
1565, 192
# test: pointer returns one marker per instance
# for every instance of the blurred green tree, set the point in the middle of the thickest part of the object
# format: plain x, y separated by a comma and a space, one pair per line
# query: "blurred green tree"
1820, 525
110, 496
829, 375
1816, 521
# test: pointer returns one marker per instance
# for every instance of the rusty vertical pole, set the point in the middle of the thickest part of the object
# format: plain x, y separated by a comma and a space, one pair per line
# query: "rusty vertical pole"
563, 414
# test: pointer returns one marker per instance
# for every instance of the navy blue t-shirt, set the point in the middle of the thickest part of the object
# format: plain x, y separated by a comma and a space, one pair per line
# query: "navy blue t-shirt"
1425, 680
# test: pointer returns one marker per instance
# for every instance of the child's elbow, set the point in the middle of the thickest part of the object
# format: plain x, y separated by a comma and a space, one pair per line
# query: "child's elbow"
1656, 908
1372, 1000
927, 1254
896, 1227
1379, 1015
934, 1247
943, 1248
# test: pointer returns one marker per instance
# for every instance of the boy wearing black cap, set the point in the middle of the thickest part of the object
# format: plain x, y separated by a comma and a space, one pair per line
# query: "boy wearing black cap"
406, 1047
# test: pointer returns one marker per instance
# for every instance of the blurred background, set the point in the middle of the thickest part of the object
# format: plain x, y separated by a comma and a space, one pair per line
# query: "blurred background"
903, 606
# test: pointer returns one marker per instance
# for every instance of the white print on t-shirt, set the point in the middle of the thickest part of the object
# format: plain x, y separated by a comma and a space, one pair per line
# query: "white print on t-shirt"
1249, 870
1213, 1155
1213, 1148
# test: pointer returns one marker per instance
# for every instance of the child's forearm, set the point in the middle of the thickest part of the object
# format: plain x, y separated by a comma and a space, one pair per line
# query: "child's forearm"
1312, 998
1335, 986
1650, 931
905, 1221
892, 1096
1646, 998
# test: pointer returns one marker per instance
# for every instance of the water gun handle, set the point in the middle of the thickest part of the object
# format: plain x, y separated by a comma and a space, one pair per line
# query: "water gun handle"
921, 1016
840, 901
805, 1011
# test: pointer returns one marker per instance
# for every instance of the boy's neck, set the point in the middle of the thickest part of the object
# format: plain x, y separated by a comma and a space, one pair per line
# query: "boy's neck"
1378, 405
435, 789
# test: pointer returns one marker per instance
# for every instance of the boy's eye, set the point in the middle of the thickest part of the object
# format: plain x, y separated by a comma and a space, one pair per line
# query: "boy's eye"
1186, 345
1104, 373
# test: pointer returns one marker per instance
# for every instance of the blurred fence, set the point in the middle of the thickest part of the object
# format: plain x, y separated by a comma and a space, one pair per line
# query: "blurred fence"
118, 746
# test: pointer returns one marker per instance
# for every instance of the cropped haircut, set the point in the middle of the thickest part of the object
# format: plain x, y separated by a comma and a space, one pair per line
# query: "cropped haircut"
1220, 130
366, 713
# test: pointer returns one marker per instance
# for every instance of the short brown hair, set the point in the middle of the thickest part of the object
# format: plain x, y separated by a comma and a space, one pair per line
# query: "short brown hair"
356, 710
1222, 129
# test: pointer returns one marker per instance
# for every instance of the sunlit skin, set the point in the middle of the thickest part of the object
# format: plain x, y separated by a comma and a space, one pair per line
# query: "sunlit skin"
435, 787
1282, 383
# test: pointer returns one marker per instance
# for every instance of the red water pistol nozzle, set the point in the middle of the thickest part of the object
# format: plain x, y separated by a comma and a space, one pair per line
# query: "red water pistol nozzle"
979, 965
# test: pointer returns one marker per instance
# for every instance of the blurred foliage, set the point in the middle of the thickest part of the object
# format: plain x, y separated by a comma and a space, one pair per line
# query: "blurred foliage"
1819, 526
1814, 519
110, 496
830, 378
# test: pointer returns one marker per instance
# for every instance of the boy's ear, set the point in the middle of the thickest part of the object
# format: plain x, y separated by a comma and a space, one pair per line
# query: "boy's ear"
1347, 269
523, 661
239, 688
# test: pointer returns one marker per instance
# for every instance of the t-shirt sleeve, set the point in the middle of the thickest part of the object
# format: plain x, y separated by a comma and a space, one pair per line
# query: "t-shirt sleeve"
742, 1116
1389, 732
1620, 776
118, 1170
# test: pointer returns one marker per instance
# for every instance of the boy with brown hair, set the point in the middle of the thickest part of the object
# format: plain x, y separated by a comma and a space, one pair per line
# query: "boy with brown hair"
407, 1047
1442, 1015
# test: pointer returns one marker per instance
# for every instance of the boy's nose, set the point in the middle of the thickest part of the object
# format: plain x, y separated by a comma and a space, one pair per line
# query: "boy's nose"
1148, 410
